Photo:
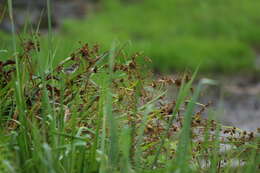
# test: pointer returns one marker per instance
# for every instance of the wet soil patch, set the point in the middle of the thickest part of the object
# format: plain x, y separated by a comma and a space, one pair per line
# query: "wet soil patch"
235, 101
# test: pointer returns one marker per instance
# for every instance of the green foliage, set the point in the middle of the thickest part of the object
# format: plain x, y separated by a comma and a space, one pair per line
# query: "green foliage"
178, 33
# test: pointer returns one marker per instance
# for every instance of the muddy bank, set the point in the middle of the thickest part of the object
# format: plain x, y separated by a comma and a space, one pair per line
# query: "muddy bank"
34, 12
235, 101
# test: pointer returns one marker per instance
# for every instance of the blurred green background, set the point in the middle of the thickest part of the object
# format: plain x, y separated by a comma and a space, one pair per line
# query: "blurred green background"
221, 35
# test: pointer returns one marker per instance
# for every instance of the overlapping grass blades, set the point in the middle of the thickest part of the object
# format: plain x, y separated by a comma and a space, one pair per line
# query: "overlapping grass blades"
104, 116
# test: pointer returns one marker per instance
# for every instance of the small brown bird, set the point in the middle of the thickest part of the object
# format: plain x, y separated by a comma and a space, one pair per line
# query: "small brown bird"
71, 69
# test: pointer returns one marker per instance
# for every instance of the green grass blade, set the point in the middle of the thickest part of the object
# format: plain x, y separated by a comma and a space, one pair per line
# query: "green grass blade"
183, 154
183, 92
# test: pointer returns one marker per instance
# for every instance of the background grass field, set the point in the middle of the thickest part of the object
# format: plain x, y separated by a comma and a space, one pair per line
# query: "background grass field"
222, 35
